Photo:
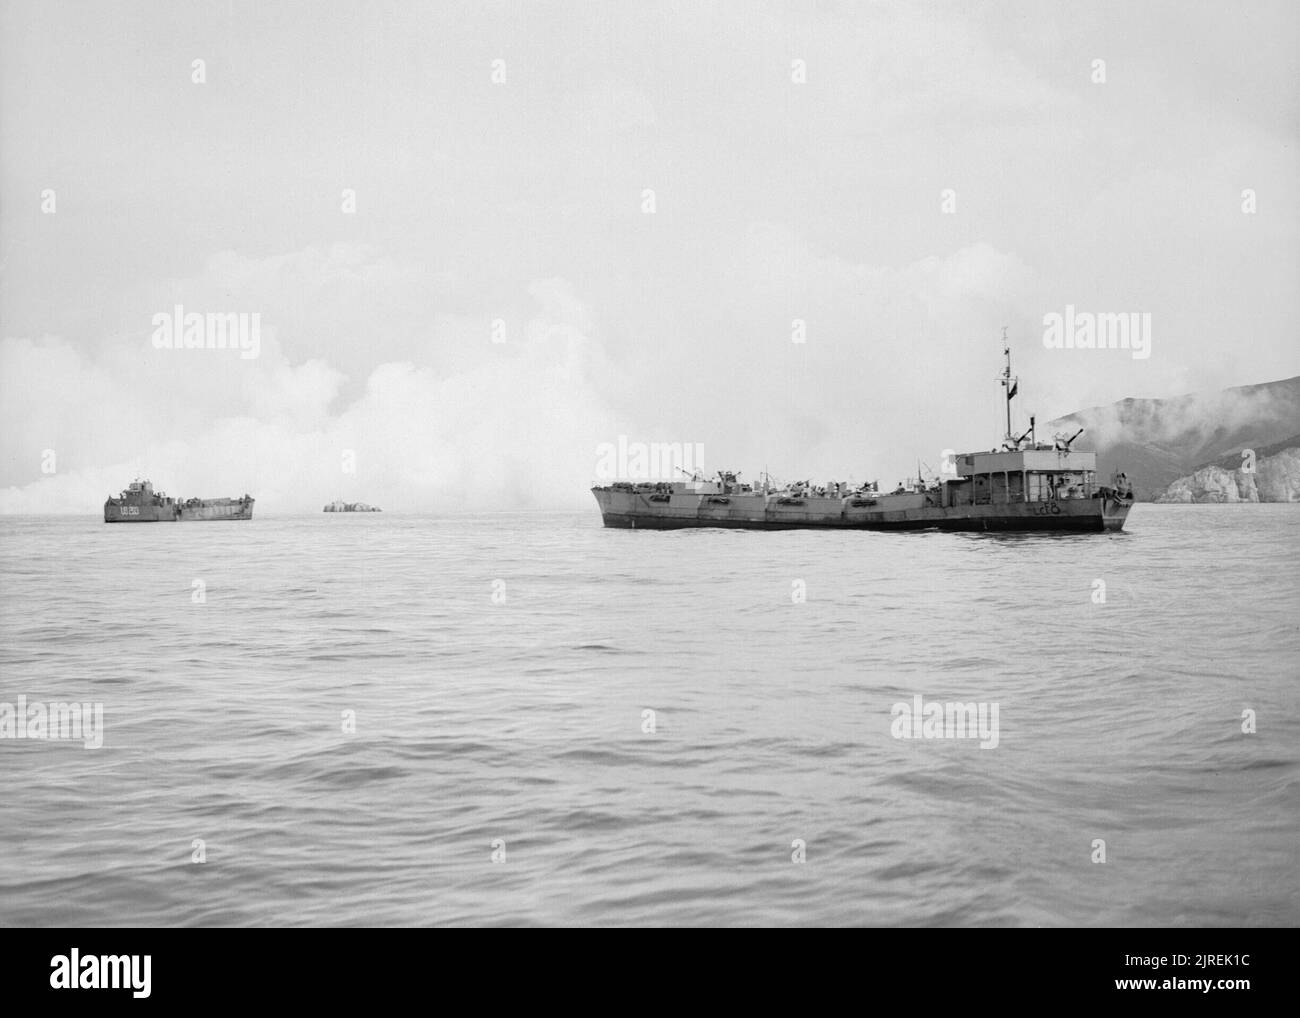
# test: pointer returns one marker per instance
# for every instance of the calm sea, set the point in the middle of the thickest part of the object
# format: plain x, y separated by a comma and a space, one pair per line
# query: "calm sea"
388, 719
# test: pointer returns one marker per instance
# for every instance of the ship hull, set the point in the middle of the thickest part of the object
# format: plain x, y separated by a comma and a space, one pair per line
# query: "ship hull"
219, 509
633, 510
115, 512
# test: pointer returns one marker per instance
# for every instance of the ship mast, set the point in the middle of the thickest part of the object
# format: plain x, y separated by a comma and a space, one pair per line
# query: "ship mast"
1010, 384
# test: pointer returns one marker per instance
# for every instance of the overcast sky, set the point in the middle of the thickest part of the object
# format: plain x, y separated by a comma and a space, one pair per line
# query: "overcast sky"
524, 200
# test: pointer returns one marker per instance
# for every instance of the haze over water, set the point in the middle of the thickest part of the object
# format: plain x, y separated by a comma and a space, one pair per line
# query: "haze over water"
523, 721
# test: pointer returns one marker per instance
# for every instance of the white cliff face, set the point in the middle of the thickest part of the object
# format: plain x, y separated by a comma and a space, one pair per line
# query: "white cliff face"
1275, 479
1209, 484
1278, 477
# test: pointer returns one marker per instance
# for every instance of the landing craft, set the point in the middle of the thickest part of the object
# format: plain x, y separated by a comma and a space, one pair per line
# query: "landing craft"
1026, 485
139, 503
339, 506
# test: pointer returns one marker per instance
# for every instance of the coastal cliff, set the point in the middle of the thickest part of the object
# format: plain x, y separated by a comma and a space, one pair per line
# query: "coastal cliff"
1275, 478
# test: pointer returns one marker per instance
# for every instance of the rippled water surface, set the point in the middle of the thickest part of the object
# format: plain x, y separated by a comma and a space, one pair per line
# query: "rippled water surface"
522, 719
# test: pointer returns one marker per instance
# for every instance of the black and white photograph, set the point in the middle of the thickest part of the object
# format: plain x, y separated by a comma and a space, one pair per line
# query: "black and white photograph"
664, 464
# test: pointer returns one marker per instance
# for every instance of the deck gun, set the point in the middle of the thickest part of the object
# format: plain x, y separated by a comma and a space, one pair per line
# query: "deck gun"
1063, 444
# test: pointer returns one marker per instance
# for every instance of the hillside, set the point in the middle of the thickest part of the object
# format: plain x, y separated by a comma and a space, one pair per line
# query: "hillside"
1160, 441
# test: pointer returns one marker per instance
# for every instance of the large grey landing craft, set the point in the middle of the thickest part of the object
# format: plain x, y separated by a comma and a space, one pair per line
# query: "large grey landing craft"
1025, 485
139, 503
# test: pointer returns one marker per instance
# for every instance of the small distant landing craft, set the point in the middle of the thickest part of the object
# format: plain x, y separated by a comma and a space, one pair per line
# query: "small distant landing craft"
139, 503
339, 506
1024, 486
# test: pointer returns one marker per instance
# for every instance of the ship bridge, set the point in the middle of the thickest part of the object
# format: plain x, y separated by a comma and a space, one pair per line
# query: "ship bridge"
1037, 474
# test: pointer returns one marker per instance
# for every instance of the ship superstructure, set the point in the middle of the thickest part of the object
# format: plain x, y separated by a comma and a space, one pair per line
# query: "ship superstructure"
139, 503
